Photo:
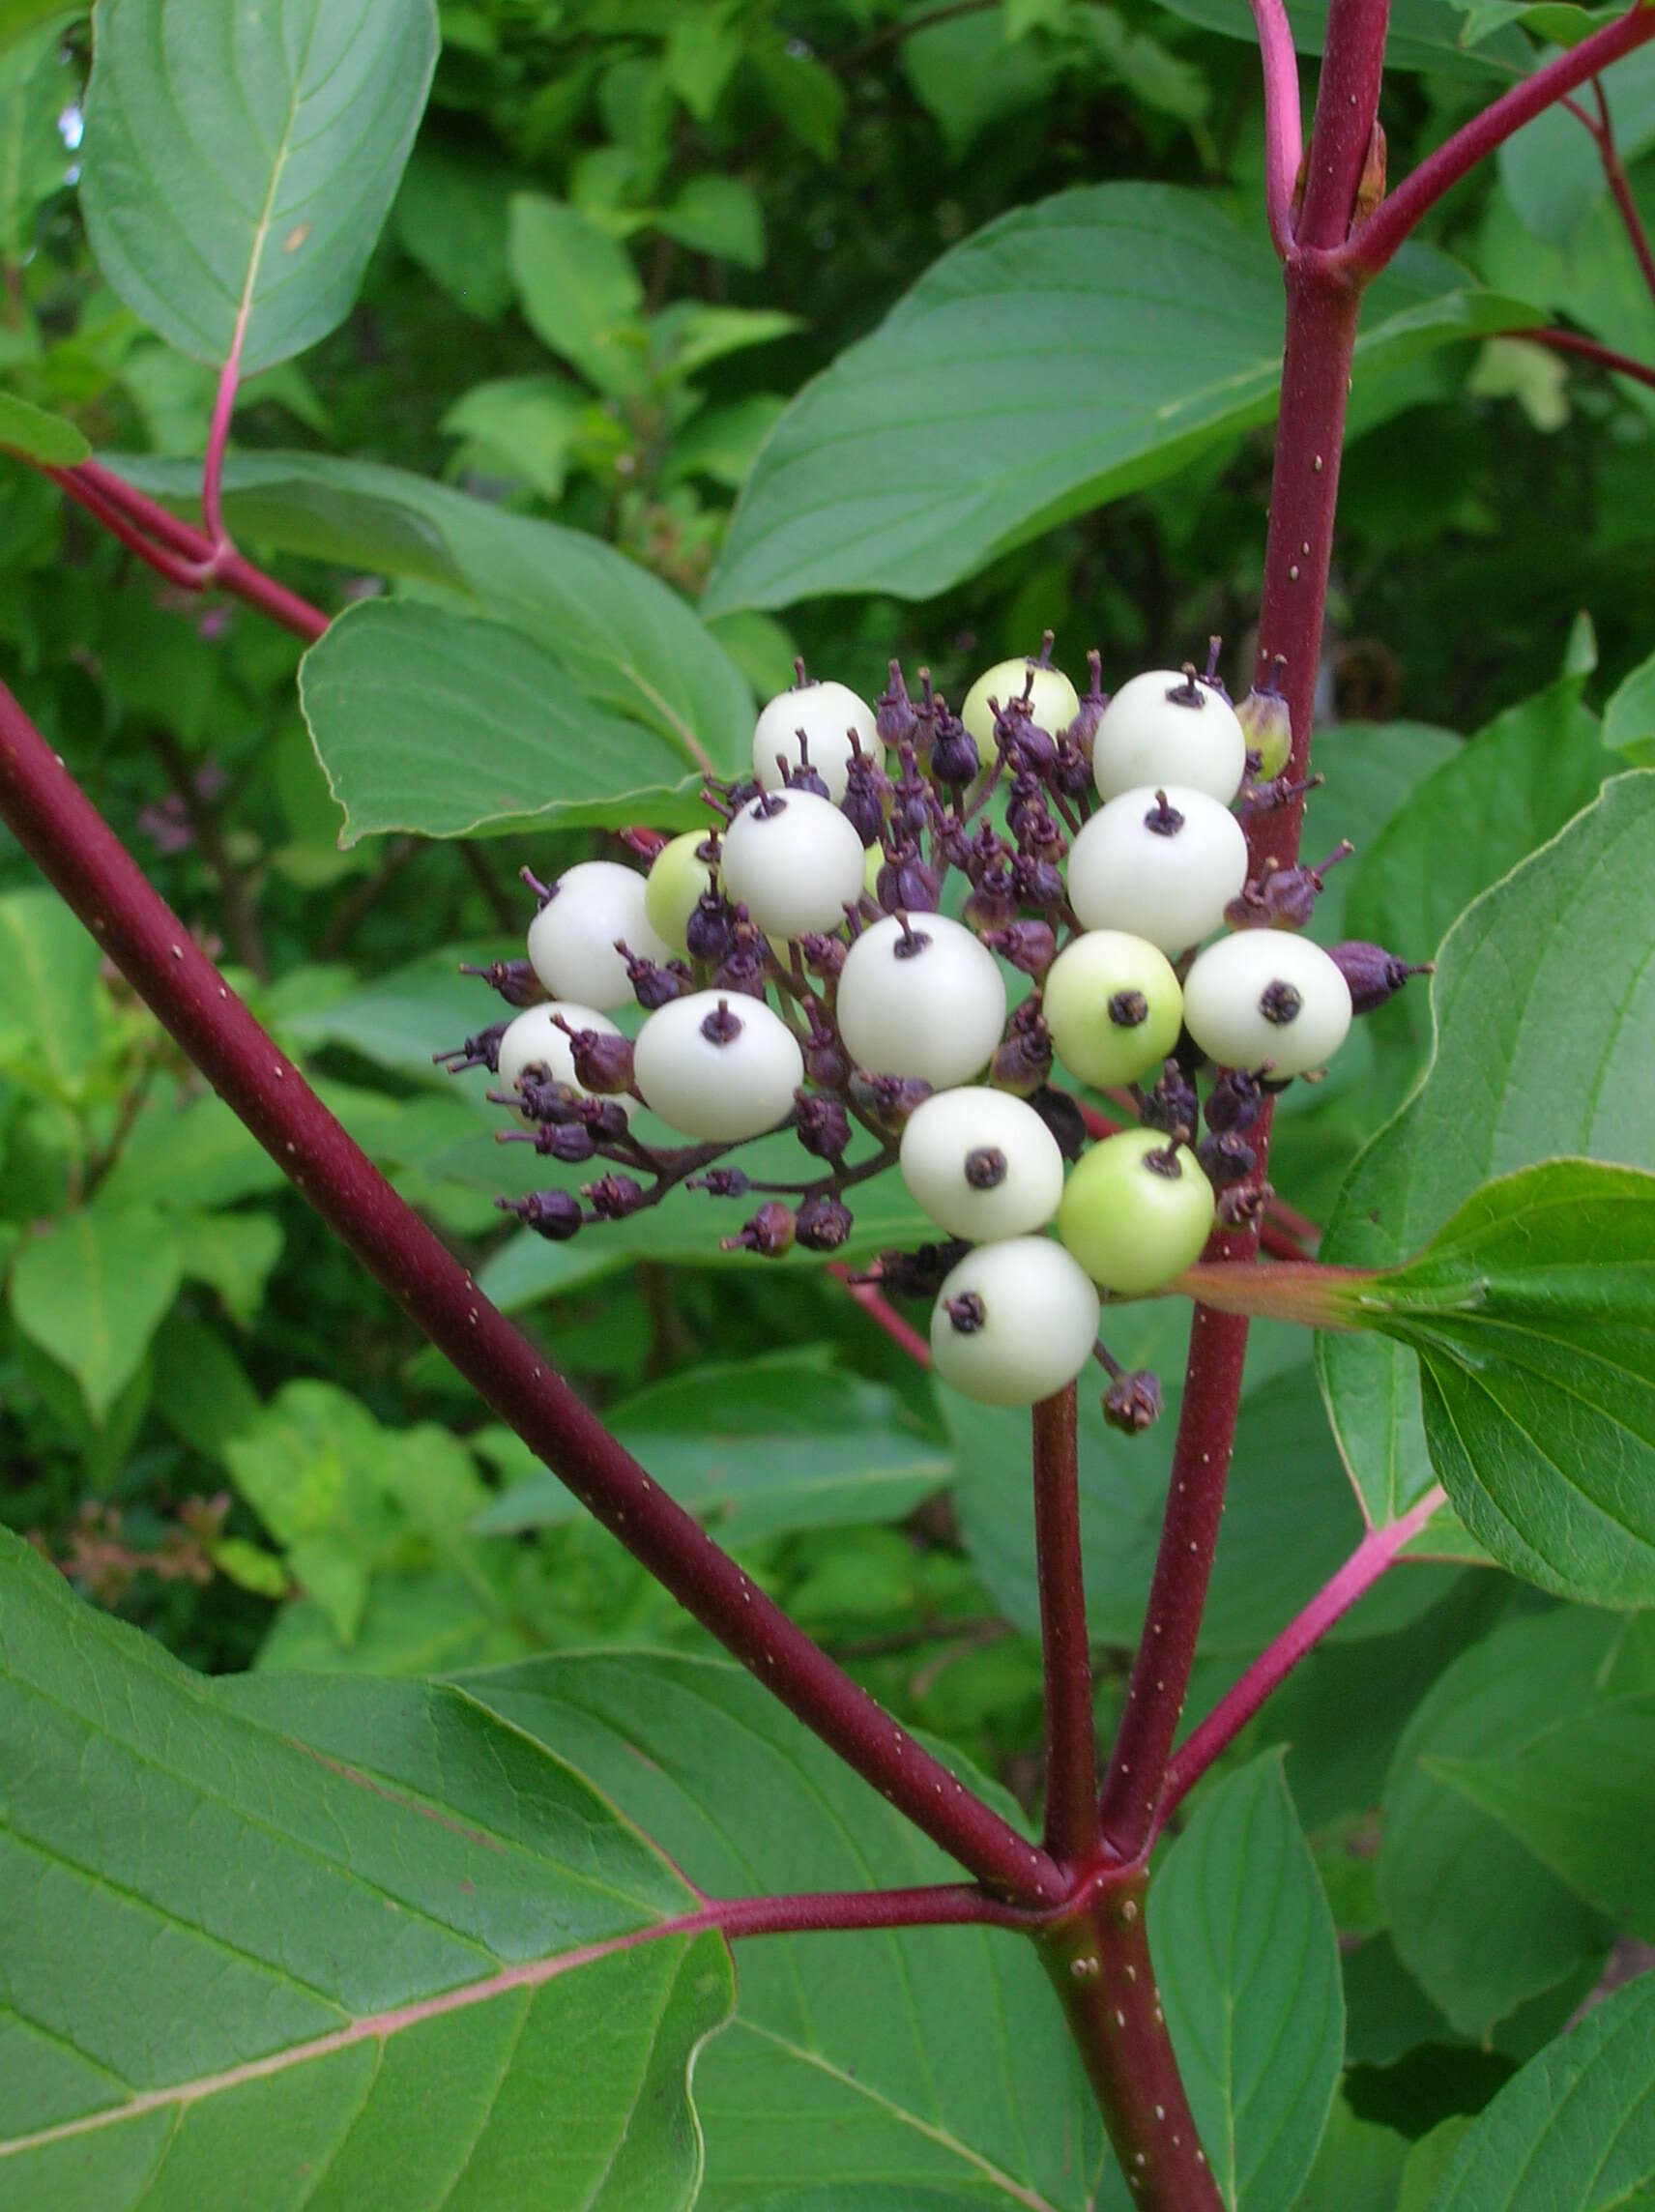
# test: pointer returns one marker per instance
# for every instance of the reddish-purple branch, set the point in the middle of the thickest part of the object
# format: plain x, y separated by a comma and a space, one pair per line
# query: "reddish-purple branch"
1284, 132
1615, 177
1378, 239
1071, 1742
1588, 349
941, 1904
1377, 1551
79, 853
219, 439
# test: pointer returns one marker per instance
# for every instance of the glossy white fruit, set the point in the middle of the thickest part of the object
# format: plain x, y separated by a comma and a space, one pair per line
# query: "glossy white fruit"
534, 1040
673, 887
795, 861
718, 1065
1133, 868
930, 1003
1053, 702
1112, 1005
1264, 995
1037, 1326
1159, 728
827, 713
981, 1164
571, 940
1136, 1211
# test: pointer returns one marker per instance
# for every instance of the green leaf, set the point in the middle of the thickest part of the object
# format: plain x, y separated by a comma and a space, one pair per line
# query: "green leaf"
93, 1290
1629, 719
782, 1442
526, 427
451, 215
805, 97
355, 1928
235, 170
1422, 34
1532, 1312
694, 334
968, 74
1358, 2167
233, 1254
49, 1000
37, 85
1478, 1921
431, 722
202, 1390
1248, 1964
718, 216
1575, 2129
579, 291
931, 2059
1579, 1000
626, 641
1159, 332
19, 18
1490, 805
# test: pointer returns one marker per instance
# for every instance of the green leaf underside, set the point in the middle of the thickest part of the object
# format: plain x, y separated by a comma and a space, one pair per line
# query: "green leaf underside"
44, 437
48, 989
1068, 353
1550, 973
910, 2060
1248, 1965
781, 1441
1577, 2126
239, 162
432, 723
1477, 1918
354, 1941
624, 639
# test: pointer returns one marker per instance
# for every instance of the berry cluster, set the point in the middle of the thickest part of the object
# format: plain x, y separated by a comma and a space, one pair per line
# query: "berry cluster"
798, 971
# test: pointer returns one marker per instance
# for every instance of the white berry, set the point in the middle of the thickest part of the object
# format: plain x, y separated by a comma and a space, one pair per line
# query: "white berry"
1051, 703
571, 940
981, 1164
671, 890
534, 1039
1163, 727
795, 861
1112, 1005
718, 1065
1265, 996
1162, 871
827, 713
924, 1000
1014, 1322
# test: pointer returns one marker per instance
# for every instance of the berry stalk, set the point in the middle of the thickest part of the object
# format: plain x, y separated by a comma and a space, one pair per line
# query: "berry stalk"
1072, 1749
81, 857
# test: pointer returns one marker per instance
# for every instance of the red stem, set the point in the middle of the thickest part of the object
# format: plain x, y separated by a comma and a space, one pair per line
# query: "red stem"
1588, 349
82, 857
941, 1904
1378, 239
1615, 177
218, 438
1071, 1743
1320, 338
1377, 1551
1284, 131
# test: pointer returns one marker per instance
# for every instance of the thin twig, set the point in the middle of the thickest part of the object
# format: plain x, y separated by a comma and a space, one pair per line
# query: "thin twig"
1283, 131
1377, 1551
1615, 177
1071, 1741
1588, 349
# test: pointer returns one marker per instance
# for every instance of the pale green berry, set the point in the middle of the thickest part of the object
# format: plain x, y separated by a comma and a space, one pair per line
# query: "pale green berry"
673, 889
1135, 1212
1112, 1005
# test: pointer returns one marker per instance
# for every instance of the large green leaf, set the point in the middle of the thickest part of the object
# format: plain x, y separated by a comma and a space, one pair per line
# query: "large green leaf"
40, 435
1070, 352
1475, 1916
626, 641
1546, 977
331, 1942
1248, 1965
1487, 807
19, 18
1426, 35
1576, 2130
785, 1441
1532, 1313
432, 723
933, 2059
238, 163
93, 1290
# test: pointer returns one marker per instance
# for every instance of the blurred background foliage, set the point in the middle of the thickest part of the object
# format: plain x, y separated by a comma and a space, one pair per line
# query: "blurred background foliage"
630, 233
